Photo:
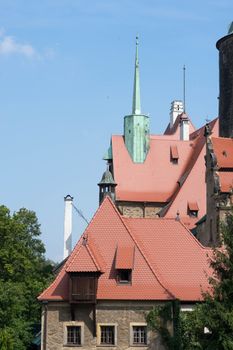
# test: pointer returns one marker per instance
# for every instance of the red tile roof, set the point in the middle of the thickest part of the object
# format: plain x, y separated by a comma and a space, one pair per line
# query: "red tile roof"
223, 150
168, 261
155, 180
124, 257
226, 181
158, 179
83, 260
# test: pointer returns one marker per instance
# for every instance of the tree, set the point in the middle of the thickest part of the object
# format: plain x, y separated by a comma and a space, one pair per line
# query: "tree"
24, 273
210, 325
215, 314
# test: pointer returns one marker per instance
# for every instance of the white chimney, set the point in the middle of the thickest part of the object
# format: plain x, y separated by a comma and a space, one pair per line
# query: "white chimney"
176, 109
68, 226
184, 127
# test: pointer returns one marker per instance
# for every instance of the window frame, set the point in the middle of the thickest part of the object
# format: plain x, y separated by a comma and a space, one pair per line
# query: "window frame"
106, 324
65, 332
121, 281
138, 324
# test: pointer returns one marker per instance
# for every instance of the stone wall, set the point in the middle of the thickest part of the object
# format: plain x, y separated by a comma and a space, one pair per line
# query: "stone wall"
139, 209
121, 314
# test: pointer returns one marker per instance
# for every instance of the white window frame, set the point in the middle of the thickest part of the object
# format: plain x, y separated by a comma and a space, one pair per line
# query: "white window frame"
138, 324
106, 324
73, 324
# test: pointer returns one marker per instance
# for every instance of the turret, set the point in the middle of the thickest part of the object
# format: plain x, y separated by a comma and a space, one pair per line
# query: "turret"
225, 47
176, 109
107, 186
136, 125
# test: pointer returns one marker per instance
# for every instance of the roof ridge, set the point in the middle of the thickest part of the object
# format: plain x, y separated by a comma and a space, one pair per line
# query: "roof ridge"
141, 251
91, 253
139, 248
193, 237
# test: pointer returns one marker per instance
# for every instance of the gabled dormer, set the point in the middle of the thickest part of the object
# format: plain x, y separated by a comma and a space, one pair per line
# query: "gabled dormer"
84, 271
124, 264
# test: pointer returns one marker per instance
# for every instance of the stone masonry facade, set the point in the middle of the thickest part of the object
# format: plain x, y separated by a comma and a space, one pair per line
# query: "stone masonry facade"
123, 315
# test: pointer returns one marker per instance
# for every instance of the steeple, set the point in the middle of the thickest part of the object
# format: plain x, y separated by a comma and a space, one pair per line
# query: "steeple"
136, 125
136, 109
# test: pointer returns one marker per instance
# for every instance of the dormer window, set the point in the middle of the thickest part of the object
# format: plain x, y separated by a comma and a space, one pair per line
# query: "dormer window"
124, 264
124, 276
193, 209
83, 287
174, 156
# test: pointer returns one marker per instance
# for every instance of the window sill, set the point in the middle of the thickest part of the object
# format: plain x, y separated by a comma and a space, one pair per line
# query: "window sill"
72, 346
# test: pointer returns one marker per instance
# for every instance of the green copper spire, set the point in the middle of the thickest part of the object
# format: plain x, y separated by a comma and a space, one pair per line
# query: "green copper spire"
136, 88
136, 125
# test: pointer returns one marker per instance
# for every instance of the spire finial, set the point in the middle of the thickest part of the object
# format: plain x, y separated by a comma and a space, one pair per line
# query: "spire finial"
136, 91
184, 87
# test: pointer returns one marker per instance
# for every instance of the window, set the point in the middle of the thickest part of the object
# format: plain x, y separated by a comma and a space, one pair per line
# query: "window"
193, 213
193, 209
124, 276
107, 334
83, 287
139, 335
73, 335
174, 155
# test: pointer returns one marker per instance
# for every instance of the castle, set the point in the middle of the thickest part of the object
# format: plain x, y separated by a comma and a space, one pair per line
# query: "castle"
138, 250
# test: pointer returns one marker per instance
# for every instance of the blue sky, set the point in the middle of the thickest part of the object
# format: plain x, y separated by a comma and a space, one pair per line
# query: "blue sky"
66, 77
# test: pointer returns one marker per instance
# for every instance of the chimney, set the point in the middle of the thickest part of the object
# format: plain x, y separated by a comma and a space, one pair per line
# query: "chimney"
68, 226
184, 127
225, 47
176, 109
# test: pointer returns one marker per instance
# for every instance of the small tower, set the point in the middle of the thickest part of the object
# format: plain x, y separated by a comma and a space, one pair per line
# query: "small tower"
136, 125
176, 109
225, 47
107, 186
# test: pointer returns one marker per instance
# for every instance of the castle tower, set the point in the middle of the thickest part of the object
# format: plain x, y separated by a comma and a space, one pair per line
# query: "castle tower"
136, 125
107, 186
225, 47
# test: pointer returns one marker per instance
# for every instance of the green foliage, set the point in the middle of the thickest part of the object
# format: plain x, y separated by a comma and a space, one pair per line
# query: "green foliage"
24, 273
159, 319
215, 313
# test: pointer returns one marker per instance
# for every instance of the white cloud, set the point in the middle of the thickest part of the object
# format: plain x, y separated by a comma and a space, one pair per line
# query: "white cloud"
9, 46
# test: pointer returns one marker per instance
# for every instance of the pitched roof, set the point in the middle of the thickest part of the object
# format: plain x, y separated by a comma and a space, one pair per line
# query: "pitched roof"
83, 260
155, 180
160, 180
160, 273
